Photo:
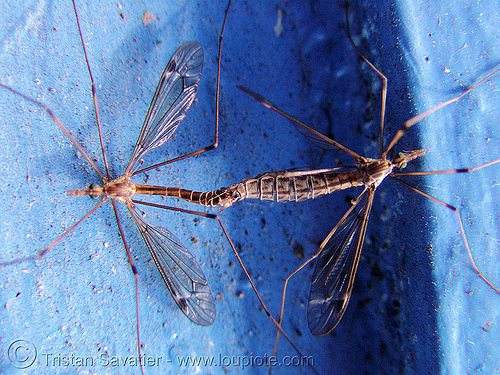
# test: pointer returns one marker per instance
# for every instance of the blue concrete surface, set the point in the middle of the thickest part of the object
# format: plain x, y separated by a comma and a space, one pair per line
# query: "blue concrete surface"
417, 306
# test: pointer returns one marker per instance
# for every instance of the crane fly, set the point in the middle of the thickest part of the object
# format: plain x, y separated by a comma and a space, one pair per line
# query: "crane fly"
338, 255
179, 269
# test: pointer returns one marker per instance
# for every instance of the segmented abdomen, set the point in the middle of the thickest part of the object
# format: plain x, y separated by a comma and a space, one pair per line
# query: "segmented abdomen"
295, 186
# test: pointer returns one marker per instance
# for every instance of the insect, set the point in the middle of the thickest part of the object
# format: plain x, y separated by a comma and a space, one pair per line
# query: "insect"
196, 303
324, 310
179, 269
338, 256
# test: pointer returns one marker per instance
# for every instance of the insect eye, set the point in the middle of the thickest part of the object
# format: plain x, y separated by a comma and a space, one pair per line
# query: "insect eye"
92, 187
399, 160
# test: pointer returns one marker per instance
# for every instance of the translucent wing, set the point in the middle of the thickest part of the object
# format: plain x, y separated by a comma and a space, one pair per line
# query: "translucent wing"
173, 97
180, 271
312, 135
333, 277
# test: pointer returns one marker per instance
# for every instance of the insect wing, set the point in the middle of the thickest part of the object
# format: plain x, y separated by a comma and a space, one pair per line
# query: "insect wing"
316, 138
173, 97
182, 274
333, 276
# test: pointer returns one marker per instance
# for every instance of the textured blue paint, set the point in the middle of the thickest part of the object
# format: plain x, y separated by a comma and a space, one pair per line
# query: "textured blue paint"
412, 311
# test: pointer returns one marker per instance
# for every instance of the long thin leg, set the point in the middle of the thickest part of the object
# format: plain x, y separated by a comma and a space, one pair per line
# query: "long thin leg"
447, 171
47, 248
59, 124
136, 281
240, 261
94, 94
462, 231
454, 209
414, 120
379, 73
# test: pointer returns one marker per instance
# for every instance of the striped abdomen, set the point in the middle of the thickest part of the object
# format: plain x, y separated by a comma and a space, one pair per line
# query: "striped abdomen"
288, 186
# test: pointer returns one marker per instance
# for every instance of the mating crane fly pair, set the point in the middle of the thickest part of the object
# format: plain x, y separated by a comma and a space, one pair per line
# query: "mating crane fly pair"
338, 255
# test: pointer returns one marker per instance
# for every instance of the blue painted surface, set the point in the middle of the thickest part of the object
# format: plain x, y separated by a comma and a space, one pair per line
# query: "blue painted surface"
417, 306
452, 47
